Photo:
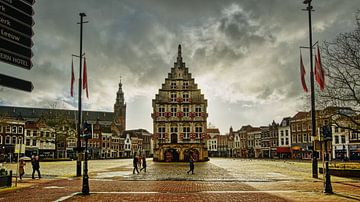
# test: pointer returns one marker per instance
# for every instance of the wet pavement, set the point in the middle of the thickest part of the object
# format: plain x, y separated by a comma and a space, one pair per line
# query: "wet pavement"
217, 180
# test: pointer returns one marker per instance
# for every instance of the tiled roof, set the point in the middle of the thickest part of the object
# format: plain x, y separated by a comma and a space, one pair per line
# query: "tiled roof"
31, 113
212, 130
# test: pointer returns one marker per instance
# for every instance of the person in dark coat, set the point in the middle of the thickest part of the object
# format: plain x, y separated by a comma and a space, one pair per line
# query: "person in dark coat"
191, 164
143, 164
35, 166
135, 164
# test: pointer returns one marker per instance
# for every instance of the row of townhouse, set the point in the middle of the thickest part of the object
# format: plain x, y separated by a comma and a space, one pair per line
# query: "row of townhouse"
61, 141
291, 138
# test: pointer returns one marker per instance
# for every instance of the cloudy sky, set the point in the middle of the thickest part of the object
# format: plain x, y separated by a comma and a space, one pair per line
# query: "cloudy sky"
243, 54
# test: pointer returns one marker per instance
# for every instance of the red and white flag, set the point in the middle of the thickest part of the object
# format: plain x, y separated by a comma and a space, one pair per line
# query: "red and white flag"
85, 83
72, 79
302, 74
319, 71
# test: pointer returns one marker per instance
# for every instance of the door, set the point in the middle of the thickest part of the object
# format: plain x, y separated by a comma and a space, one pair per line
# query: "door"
173, 138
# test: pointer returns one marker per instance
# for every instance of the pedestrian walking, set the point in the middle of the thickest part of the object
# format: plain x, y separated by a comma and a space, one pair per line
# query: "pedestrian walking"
191, 164
143, 164
139, 162
21, 168
35, 162
135, 164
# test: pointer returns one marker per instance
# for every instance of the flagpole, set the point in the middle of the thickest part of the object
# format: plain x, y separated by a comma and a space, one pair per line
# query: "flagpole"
312, 92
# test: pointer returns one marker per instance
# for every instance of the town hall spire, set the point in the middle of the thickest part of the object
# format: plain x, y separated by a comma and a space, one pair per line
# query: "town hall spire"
179, 58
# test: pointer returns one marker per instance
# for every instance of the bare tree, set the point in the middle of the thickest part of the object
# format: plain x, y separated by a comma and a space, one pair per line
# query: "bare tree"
341, 60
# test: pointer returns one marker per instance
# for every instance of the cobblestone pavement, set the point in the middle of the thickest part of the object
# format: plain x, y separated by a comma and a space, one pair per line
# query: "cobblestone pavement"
217, 180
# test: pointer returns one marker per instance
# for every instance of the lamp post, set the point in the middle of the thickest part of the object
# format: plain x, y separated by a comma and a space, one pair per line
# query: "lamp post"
86, 135
78, 162
327, 137
313, 119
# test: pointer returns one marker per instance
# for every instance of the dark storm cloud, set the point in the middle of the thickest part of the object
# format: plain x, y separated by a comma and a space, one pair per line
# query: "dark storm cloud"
249, 48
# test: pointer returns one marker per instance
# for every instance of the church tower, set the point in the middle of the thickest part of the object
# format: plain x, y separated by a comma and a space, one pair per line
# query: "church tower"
179, 117
120, 110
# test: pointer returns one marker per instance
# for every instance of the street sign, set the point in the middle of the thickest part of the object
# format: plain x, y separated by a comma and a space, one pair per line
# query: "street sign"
18, 15
15, 48
15, 59
26, 8
20, 148
15, 37
16, 83
16, 25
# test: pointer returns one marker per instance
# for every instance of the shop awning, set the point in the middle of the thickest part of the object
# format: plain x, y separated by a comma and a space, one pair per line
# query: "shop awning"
297, 148
283, 150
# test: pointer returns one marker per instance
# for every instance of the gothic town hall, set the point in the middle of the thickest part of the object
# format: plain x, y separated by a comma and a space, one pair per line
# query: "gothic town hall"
179, 117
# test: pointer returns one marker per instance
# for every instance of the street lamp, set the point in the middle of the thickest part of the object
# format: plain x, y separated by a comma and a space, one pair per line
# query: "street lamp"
327, 137
313, 122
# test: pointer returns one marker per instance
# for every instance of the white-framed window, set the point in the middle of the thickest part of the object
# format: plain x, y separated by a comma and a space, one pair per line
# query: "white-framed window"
186, 96
27, 142
173, 85
287, 141
173, 97
186, 110
299, 138
173, 129
287, 132
161, 131
161, 111
21, 130
293, 128
13, 140
186, 131
282, 133
8, 129
197, 111
7, 139
304, 127
185, 85
282, 141
20, 140
305, 139
14, 130
198, 131
173, 110
1, 139
35, 133
342, 139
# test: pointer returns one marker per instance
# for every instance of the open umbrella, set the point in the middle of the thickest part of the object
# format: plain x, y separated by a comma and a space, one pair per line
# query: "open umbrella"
25, 158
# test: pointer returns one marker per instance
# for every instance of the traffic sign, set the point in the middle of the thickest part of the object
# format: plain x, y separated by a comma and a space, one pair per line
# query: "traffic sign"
18, 15
15, 37
15, 48
16, 25
16, 83
15, 59
26, 8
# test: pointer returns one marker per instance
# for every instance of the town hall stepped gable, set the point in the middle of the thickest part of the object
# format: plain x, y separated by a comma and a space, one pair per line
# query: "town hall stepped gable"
179, 117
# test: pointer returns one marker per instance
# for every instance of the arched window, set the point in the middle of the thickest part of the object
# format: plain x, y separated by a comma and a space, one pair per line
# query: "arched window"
13, 140
7, 139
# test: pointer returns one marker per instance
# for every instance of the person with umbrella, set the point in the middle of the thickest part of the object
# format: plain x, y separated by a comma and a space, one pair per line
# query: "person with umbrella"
21, 168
